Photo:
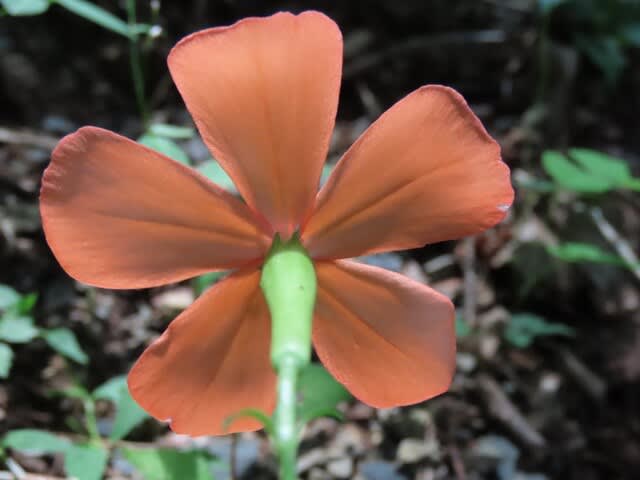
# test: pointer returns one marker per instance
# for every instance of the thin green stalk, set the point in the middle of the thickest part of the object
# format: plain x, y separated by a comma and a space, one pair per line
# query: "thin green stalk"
285, 428
90, 420
136, 64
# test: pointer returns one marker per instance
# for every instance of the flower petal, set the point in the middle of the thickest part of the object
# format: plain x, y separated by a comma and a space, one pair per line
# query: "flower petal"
388, 339
424, 172
211, 362
264, 93
119, 215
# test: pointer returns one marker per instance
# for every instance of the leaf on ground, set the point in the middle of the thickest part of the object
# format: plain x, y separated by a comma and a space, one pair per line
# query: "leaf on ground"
570, 176
128, 413
86, 462
169, 464
165, 146
25, 7
319, 394
584, 252
35, 442
524, 328
171, 131
17, 328
8, 297
64, 341
6, 360
214, 172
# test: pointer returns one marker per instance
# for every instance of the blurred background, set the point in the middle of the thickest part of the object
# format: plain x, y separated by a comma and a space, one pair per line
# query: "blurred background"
548, 378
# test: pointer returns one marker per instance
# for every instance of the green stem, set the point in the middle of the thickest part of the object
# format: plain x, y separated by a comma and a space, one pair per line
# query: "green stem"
90, 420
289, 284
285, 428
136, 64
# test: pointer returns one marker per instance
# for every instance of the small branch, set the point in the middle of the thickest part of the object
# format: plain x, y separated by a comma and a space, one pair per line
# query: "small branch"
501, 408
621, 246
588, 380
16, 137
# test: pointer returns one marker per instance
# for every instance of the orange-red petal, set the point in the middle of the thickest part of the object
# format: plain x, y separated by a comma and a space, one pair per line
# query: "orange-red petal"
424, 172
264, 93
211, 362
119, 215
388, 339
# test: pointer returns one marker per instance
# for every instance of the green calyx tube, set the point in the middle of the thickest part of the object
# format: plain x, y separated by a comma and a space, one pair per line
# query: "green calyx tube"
289, 285
288, 282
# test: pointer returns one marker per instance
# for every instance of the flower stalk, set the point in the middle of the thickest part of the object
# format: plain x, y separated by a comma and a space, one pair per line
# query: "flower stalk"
289, 284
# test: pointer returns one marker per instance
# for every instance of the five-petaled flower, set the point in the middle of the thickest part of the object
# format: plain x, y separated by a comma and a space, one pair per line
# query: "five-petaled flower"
263, 94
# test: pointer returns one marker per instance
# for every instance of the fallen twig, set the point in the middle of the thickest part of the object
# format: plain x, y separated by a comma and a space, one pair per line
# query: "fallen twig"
502, 409
621, 246
22, 137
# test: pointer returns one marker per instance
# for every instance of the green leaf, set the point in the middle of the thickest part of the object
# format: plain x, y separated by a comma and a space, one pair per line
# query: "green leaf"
35, 442
165, 146
25, 7
111, 390
74, 391
128, 413
605, 52
214, 172
169, 464
319, 394
17, 328
254, 413
201, 283
6, 360
584, 252
64, 341
601, 164
568, 175
523, 328
86, 462
8, 297
171, 131
97, 15
26, 303
327, 168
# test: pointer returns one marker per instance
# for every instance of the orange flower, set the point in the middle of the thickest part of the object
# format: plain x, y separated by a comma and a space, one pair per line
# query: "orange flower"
263, 94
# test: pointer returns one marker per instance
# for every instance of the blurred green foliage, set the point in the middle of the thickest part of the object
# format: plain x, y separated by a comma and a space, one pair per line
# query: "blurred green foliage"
82, 8
86, 454
17, 326
588, 171
524, 328
170, 464
585, 252
601, 29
